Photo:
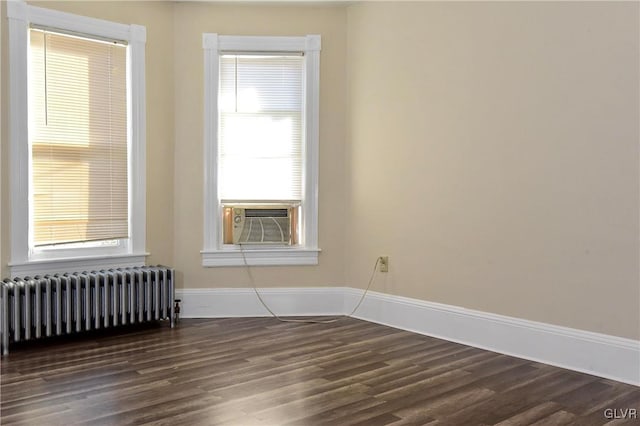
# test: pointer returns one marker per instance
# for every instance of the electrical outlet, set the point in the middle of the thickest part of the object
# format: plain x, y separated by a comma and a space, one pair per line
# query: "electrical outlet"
384, 263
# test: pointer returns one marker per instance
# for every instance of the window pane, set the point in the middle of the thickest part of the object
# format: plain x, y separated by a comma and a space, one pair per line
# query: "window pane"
78, 122
260, 127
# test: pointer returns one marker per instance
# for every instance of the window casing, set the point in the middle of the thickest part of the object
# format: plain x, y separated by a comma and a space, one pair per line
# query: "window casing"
48, 233
245, 96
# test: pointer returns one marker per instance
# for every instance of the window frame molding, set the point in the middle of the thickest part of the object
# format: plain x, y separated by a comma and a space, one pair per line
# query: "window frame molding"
20, 16
214, 253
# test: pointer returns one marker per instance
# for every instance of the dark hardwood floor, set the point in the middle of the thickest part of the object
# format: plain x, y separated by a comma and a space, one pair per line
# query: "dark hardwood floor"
258, 371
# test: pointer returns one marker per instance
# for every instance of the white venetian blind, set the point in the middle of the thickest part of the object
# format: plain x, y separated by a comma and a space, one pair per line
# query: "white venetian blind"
260, 127
78, 122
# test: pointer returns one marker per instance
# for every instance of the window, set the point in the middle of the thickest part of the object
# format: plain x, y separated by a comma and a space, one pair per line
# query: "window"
261, 145
77, 141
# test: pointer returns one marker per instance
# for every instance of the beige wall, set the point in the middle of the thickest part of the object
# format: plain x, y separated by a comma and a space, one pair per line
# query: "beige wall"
4, 144
5, 234
494, 157
193, 19
2, 131
491, 150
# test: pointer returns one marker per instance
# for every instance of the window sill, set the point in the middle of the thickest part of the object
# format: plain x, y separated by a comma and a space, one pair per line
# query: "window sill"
260, 257
76, 264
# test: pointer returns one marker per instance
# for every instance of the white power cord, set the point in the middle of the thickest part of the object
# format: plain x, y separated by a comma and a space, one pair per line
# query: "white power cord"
307, 321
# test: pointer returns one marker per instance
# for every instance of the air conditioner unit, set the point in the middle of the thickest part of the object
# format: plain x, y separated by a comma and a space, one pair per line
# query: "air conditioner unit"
260, 223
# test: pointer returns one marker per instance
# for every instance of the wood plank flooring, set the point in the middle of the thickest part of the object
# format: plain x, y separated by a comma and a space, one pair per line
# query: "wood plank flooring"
259, 371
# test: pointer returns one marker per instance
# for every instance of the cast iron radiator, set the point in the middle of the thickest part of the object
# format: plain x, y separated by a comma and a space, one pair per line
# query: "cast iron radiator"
59, 304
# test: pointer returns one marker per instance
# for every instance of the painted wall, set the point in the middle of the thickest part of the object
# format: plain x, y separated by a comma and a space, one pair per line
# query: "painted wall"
493, 155
490, 149
4, 144
157, 17
191, 21
2, 120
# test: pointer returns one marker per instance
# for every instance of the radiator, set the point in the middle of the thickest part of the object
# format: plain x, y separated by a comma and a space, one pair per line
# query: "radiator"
54, 305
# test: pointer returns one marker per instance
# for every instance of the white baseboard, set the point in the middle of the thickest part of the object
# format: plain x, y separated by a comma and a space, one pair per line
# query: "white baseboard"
602, 355
243, 302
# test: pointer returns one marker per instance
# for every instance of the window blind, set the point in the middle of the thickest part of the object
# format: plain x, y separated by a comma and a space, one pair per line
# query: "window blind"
260, 127
78, 135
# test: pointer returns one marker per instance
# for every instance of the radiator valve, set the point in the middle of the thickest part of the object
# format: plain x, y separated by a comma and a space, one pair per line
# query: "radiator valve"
176, 309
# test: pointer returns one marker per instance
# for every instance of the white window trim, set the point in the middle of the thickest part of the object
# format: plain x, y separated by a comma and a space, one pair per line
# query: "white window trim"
20, 15
214, 252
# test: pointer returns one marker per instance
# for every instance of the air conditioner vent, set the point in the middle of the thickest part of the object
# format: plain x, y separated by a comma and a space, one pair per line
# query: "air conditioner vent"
266, 212
258, 230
